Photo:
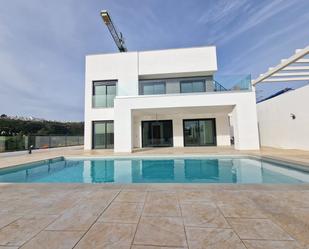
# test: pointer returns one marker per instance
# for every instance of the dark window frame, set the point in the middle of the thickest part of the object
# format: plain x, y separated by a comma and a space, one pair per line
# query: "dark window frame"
92, 136
149, 121
142, 83
192, 81
103, 83
200, 119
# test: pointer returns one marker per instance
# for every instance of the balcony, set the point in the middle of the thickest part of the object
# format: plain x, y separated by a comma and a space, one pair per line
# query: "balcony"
190, 85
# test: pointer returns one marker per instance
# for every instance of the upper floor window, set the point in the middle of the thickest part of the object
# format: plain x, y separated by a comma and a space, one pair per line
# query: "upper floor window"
149, 88
192, 86
103, 94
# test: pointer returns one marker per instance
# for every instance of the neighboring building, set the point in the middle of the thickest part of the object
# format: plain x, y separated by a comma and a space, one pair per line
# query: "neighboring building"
284, 120
165, 98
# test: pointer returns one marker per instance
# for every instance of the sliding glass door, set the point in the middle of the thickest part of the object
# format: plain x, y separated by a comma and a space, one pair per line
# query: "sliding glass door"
103, 94
199, 132
157, 133
103, 135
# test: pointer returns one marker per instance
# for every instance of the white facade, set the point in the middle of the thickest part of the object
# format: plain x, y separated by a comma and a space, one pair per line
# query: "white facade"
278, 128
174, 68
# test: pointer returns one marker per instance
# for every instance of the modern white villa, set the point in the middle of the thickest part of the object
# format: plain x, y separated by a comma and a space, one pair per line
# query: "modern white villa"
165, 98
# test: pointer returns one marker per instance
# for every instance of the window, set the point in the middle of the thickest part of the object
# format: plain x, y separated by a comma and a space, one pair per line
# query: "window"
158, 133
103, 94
199, 132
149, 88
192, 86
103, 135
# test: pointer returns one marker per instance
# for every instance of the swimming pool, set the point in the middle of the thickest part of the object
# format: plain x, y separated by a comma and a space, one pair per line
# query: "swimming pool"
223, 169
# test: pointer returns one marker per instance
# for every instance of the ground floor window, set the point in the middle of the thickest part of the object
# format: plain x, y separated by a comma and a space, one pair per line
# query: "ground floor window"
199, 132
158, 133
103, 135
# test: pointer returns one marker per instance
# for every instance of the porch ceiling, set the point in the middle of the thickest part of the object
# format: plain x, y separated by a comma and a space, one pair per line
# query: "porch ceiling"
184, 110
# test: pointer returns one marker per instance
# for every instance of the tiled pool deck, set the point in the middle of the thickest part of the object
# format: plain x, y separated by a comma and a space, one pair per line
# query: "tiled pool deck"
154, 216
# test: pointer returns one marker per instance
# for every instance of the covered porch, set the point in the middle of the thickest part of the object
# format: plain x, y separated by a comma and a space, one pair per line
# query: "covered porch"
236, 109
182, 127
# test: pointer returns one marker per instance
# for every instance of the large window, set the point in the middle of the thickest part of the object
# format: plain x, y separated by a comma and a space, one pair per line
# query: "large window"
149, 88
103, 94
199, 132
158, 133
192, 86
103, 135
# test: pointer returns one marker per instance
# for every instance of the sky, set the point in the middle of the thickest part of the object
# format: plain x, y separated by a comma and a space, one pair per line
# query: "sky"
43, 43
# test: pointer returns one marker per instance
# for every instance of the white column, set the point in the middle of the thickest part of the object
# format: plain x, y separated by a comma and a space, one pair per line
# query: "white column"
88, 135
245, 127
177, 132
223, 130
122, 128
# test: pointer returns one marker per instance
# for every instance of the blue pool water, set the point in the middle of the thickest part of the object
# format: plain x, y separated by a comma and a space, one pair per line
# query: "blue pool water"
153, 170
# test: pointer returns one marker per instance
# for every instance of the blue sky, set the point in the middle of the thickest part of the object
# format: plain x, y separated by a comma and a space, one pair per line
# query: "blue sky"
43, 43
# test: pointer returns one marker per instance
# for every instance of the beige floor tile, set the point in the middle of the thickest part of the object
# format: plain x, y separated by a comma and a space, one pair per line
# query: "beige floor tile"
102, 195
8, 247
7, 218
235, 210
54, 239
154, 247
131, 196
193, 196
262, 244
293, 220
122, 212
257, 229
203, 215
78, 218
108, 236
213, 238
23, 229
160, 231
161, 203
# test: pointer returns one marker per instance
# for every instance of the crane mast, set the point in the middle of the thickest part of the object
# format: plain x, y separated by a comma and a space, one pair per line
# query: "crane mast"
117, 36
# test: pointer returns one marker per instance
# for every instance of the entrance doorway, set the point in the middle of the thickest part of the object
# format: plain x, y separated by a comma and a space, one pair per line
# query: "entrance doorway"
157, 133
199, 132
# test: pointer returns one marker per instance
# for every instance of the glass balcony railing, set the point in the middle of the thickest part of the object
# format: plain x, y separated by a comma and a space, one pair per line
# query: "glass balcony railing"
234, 82
103, 101
218, 83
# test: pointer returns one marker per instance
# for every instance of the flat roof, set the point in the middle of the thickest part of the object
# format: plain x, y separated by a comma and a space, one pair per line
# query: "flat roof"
154, 50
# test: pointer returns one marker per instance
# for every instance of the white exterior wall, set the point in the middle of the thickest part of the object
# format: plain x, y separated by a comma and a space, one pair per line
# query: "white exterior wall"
277, 128
178, 62
243, 115
121, 67
130, 67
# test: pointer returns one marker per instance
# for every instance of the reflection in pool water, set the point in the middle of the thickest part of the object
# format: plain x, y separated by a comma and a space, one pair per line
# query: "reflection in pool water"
171, 170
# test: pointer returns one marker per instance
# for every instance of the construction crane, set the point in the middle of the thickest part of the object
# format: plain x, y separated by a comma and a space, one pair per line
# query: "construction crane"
117, 36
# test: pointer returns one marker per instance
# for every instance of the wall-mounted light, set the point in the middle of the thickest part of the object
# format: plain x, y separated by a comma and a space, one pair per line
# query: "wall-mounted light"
293, 116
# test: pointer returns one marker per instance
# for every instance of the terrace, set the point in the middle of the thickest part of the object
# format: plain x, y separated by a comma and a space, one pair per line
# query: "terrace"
142, 216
